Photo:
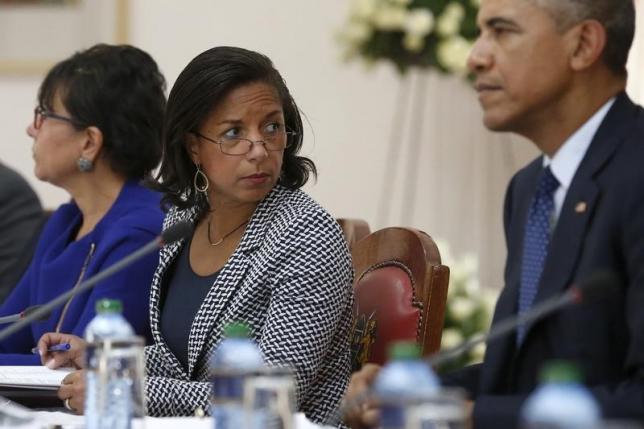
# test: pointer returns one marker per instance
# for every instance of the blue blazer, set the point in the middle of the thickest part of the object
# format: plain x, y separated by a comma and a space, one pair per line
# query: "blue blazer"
60, 263
601, 226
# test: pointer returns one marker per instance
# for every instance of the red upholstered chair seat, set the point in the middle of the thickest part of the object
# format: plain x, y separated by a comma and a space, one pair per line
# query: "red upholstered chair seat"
400, 293
387, 295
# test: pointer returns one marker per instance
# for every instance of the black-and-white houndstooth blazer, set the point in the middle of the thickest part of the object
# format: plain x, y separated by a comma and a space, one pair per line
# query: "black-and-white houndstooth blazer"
290, 279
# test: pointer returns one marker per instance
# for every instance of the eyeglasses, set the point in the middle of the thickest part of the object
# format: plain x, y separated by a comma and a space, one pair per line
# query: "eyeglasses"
235, 146
40, 114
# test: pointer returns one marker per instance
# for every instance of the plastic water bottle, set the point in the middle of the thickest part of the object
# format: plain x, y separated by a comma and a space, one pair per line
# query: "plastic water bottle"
403, 382
107, 399
561, 401
236, 359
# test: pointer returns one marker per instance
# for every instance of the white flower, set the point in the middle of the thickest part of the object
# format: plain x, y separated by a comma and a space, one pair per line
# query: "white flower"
453, 289
363, 9
489, 299
469, 263
419, 22
451, 338
390, 18
458, 276
356, 33
462, 308
472, 286
478, 352
456, 9
413, 43
453, 52
450, 20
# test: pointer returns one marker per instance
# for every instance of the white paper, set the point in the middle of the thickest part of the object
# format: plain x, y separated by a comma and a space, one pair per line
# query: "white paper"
35, 377
71, 421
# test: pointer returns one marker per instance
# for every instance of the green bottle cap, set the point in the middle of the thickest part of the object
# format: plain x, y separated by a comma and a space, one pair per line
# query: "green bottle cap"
404, 350
109, 306
236, 330
560, 371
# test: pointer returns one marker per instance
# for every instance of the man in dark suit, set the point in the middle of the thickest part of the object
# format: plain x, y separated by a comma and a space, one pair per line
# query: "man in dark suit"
554, 71
21, 218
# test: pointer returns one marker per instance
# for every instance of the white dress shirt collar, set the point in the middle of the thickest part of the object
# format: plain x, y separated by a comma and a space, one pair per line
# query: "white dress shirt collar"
566, 161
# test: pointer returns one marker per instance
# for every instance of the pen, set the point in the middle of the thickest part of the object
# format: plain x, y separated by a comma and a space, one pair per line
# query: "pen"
62, 347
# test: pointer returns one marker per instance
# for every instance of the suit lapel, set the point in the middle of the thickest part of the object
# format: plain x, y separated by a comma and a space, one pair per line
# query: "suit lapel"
167, 255
229, 281
581, 200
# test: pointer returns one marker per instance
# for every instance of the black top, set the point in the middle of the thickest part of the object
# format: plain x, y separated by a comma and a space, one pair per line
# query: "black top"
21, 219
185, 293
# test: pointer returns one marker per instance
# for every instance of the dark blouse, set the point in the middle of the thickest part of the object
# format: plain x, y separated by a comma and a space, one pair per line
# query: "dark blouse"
185, 293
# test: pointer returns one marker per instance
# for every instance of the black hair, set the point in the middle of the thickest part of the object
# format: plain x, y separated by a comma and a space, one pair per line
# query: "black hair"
119, 90
199, 89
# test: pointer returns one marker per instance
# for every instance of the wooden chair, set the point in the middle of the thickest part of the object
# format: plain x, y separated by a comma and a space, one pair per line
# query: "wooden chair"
354, 230
400, 293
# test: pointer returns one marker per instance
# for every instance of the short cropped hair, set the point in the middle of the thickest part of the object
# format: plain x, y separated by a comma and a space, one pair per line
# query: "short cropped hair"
617, 17
199, 89
119, 90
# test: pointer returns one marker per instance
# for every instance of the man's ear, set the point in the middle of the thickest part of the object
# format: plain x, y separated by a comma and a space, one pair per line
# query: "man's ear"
92, 144
589, 42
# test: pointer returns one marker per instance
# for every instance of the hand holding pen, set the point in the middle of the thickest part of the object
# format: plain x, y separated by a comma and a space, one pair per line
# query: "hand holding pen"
59, 350
62, 347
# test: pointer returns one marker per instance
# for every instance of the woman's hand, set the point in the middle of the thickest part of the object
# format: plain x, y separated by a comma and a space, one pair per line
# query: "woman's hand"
362, 412
74, 357
72, 391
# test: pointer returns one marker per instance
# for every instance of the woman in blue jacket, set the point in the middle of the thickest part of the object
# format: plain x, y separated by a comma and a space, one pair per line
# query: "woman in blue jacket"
97, 135
262, 251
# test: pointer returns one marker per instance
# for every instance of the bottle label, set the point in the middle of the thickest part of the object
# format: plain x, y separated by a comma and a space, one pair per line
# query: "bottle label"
392, 416
227, 387
228, 417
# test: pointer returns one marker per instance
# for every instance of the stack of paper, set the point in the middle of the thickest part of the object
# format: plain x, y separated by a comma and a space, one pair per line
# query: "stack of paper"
35, 377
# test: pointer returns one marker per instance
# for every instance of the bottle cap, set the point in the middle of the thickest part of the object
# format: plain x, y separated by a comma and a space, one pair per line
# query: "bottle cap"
109, 306
404, 350
560, 371
236, 330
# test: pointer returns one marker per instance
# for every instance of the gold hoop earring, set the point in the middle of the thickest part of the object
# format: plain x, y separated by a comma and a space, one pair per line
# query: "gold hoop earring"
200, 175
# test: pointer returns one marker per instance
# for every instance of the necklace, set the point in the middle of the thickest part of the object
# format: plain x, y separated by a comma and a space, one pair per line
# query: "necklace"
221, 240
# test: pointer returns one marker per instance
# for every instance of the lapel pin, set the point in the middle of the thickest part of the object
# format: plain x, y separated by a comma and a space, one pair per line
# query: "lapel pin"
581, 207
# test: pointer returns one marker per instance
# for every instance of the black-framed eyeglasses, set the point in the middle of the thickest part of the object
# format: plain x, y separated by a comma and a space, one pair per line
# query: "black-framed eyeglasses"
273, 142
40, 114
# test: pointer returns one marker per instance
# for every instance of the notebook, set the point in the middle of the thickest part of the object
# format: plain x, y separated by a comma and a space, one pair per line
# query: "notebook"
38, 377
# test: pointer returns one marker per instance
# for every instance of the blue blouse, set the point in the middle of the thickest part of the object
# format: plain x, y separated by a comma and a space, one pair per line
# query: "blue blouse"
60, 263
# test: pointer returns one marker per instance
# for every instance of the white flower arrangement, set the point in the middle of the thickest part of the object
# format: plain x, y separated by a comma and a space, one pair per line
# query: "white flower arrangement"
469, 307
423, 33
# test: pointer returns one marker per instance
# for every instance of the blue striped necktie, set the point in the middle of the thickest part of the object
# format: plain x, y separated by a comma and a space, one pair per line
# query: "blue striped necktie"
536, 239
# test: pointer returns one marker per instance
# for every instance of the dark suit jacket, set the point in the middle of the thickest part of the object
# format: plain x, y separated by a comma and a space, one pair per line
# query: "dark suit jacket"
21, 219
605, 338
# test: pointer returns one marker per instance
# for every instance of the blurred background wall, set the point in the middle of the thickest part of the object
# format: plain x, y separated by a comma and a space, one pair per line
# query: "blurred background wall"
449, 181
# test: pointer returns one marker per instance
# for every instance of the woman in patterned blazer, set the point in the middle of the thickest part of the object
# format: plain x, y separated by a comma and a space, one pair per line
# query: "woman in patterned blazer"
262, 251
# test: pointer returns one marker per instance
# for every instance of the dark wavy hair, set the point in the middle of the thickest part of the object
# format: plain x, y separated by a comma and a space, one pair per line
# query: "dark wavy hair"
199, 89
119, 90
